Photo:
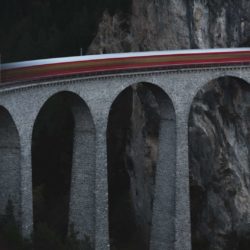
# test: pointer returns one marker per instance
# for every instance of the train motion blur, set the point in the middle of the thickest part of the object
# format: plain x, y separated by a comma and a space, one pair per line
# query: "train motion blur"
121, 62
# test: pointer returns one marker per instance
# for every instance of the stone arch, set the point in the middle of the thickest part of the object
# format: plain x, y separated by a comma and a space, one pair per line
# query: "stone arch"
219, 129
141, 155
63, 165
213, 78
10, 172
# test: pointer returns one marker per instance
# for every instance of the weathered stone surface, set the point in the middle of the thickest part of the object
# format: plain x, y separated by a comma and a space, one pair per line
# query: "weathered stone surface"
219, 138
9, 164
219, 158
162, 25
141, 150
99, 92
133, 131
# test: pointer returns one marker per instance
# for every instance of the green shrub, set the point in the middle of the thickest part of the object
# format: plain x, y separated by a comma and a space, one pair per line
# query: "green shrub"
72, 243
10, 232
43, 238
46, 238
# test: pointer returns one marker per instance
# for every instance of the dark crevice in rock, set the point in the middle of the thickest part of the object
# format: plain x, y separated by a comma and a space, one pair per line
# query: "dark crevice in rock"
132, 151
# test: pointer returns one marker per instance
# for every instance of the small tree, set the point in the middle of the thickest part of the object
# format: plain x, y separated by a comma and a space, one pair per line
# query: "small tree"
10, 232
72, 243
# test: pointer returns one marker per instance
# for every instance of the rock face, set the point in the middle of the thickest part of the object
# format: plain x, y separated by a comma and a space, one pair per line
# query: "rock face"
169, 24
219, 138
132, 153
219, 121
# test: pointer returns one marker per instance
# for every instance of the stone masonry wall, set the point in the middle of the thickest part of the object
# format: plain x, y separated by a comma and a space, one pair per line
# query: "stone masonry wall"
99, 92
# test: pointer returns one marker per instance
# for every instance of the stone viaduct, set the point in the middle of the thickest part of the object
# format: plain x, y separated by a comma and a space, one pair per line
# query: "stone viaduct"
91, 98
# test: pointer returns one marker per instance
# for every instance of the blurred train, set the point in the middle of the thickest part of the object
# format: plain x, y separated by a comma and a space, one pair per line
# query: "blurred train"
121, 62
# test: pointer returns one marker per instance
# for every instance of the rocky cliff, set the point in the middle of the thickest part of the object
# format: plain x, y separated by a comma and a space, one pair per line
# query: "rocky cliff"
219, 126
219, 140
169, 24
132, 155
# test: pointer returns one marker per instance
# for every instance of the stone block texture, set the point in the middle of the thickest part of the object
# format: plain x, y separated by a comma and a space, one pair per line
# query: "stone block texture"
20, 105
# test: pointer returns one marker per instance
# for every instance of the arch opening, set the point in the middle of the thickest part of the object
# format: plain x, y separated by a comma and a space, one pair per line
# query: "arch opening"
63, 168
10, 172
219, 139
136, 145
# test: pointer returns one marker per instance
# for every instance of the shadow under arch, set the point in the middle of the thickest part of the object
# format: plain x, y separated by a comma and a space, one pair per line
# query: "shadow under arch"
63, 167
219, 129
141, 155
10, 169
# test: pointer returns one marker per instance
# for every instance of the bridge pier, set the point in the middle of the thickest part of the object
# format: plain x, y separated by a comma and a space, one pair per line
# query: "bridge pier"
9, 164
82, 202
26, 214
182, 202
101, 188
